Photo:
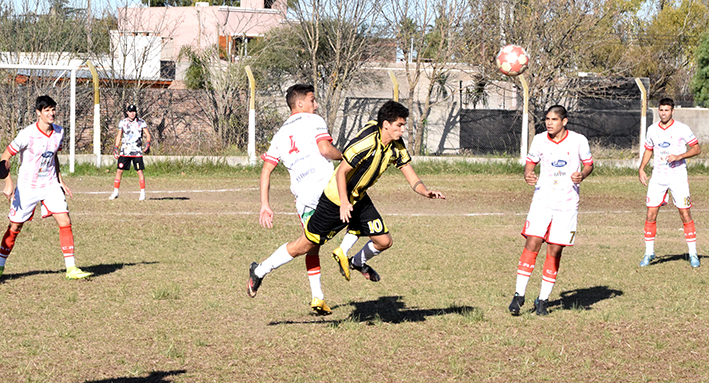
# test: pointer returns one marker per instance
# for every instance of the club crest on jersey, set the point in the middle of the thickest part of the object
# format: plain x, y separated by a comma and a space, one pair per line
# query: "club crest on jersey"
664, 144
559, 163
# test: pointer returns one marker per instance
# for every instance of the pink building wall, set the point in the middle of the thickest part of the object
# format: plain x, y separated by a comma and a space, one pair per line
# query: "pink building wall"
201, 26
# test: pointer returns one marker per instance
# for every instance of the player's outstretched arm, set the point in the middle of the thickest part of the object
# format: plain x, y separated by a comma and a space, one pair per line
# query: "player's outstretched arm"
643, 163
8, 190
147, 141
266, 214
417, 185
117, 143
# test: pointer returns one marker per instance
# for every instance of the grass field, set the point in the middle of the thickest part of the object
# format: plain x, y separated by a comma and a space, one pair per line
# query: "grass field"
168, 301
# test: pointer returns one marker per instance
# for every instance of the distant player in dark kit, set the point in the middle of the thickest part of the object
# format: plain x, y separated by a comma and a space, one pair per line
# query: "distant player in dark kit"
668, 141
39, 180
129, 149
553, 214
345, 201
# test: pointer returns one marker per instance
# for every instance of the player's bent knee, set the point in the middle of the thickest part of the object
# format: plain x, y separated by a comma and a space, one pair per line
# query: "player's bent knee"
382, 242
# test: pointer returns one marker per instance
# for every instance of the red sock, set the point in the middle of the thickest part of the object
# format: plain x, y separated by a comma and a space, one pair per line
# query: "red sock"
312, 263
116, 183
66, 240
8, 242
551, 268
526, 263
651, 230
690, 233
142, 184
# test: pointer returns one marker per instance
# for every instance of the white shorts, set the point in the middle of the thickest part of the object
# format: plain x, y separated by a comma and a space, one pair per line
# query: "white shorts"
52, 198
657, 193
557, 227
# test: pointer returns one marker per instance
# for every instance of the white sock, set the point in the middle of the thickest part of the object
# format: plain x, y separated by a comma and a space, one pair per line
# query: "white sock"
521, 284
279, 258
69, 262
368, 252
649, 247
545, 291
115, 190
692, 247
348, 241
315, 286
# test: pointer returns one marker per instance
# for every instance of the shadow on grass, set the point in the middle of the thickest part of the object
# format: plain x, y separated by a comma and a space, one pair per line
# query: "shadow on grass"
169, 198
154, 377
673, 258
98, 270
583, 299
391, 309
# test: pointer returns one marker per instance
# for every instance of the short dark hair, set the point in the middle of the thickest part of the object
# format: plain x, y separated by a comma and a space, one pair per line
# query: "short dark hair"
43, 102
558, 110
667, 101
391, 111
298, 91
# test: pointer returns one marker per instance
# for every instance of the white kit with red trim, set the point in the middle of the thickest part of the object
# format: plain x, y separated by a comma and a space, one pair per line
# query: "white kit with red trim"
37, 151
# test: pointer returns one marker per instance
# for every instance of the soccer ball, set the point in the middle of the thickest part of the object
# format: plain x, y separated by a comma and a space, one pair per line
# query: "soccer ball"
512, 60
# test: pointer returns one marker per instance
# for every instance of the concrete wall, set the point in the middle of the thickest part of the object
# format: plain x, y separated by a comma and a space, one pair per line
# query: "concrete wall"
696, 118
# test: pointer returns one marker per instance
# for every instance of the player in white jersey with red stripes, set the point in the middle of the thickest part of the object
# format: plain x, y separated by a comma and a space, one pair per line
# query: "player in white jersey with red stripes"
304, 146
39, 181
553, 214
668, 140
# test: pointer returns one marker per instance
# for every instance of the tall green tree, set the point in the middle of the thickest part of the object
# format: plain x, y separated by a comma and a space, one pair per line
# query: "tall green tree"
700, 80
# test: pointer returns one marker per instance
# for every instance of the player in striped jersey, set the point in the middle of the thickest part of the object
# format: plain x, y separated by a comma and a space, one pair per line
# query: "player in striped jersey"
552, 216
345, 201
39, 180
668, 140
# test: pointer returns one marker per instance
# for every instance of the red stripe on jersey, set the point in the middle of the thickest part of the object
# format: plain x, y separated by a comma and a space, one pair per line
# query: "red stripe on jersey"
12, 150
323, 136
649, 147
588, 162
529, 161
693, 142
51, 131
269, 159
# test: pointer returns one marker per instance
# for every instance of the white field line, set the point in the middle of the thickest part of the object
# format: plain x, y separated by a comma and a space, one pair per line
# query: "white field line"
171, 191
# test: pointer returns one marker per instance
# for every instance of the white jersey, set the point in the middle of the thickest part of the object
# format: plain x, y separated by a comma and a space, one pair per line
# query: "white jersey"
559, 160
672, 139
38, 168
132, 139
296, 145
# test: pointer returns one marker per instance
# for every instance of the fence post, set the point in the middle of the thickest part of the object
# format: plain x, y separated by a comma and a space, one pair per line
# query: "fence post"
252, 117
525, 120
643, 117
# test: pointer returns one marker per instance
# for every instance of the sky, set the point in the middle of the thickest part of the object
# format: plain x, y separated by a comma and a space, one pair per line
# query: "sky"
97, 6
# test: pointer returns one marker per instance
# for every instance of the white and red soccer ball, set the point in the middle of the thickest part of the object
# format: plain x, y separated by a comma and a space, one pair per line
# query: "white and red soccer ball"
512, 60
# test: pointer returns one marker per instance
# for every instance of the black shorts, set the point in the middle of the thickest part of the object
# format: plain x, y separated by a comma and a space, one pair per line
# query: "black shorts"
124, 163
325, 223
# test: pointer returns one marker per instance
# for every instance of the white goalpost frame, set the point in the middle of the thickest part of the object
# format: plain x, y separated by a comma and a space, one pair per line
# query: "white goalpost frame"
72, 102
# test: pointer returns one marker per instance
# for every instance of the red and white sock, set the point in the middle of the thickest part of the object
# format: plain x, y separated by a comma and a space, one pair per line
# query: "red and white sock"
551, 268
650, 232
66, 240
116, 184
524, 270
312, 263
690, 234
8, 242
142, 185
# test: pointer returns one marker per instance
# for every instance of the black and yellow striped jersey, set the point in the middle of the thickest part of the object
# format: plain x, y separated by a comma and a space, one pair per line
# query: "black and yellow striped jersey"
369, 159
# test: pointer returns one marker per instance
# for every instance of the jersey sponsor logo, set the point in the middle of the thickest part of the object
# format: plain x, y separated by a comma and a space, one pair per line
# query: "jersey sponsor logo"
664, 144
559, 163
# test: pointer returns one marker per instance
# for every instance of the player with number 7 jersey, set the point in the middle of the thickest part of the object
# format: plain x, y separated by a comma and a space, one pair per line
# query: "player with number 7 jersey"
565, 160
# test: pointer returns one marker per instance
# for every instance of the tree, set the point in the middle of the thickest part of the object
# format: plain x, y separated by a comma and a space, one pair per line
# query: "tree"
430, 36
700, 81
326, 43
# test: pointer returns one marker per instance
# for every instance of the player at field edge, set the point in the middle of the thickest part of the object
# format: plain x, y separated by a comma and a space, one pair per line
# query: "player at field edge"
345, 201
304, 146
39, 180
128, 149
553, 213
667, 140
